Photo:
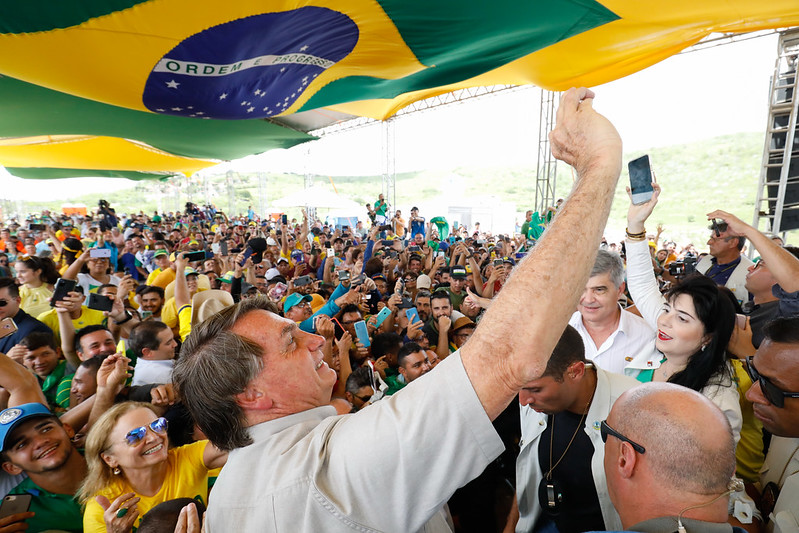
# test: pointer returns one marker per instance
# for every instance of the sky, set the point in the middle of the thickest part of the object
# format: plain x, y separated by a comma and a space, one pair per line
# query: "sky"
687, 97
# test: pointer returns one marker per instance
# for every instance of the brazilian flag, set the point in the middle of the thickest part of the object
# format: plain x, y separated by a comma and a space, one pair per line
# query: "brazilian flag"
151, 87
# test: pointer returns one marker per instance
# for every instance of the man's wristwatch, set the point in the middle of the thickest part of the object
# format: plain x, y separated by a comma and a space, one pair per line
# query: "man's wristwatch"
128, 316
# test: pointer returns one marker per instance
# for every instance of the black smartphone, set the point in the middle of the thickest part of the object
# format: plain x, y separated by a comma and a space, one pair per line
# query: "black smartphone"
127, 271
247, 253
301, 281
223, 247
61, 289
100, 302
37, 227
195, 256
15, 504
414, 248
284, 219
385, 227
497, 262
640, 180
387, 242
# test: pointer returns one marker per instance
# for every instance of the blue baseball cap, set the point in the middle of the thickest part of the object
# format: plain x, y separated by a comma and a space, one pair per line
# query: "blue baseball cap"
295, 299
13, 416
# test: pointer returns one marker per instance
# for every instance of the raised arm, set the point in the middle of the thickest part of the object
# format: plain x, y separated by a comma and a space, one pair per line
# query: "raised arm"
781, 263
501, 357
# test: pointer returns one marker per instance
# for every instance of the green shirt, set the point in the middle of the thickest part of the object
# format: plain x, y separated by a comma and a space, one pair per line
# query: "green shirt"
59, 512
393, 381
51, 382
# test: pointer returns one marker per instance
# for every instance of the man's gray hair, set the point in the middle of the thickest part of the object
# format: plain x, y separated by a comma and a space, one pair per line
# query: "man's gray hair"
214, 366
611, 263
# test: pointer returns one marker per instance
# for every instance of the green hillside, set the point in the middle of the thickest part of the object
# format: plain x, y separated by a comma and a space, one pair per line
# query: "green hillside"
717, 173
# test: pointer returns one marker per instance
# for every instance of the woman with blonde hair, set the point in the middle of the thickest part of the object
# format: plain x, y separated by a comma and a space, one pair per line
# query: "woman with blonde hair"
132, 469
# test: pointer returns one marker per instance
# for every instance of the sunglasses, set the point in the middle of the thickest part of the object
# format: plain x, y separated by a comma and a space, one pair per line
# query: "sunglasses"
3, 303
605, 430
135, 436
771, 392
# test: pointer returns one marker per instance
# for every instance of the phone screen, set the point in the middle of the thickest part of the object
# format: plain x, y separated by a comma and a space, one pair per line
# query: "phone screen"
640, 180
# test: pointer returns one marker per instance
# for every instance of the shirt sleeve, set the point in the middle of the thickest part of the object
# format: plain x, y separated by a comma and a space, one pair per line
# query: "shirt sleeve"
434, 429
642, 283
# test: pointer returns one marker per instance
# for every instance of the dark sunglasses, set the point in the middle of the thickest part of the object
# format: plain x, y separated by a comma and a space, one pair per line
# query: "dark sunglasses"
3, 303
364, 399
605, 430
135, 436
771, 392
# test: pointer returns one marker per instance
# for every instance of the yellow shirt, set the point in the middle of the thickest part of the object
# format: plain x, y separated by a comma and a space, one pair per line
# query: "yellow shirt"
749, 455
35, 301
162, 279
88, 317
186, 477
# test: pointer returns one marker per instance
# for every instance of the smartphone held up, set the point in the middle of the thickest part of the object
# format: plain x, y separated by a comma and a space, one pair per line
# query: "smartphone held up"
641, 180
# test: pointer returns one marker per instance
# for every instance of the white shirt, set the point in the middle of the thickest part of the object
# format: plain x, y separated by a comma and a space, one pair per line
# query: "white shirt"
632, 336
152, 372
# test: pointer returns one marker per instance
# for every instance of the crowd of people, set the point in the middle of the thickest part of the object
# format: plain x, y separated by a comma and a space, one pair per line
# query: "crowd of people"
399, 375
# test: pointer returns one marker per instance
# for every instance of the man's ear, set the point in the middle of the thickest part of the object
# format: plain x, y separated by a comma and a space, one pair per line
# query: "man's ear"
576, 370
69, 431
11, 468
626, 460
253, 398
621, 288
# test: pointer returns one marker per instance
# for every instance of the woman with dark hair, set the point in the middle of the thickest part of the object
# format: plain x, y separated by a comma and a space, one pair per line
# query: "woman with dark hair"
36, 277
71, 248
694, 322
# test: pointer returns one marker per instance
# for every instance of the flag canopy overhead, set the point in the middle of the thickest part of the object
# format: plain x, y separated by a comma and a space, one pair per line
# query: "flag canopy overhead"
177, 85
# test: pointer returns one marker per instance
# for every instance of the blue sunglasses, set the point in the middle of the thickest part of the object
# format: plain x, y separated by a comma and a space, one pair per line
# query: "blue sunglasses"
135, 436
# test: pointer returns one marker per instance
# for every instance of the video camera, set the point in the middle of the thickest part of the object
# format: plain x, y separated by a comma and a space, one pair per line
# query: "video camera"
680, 269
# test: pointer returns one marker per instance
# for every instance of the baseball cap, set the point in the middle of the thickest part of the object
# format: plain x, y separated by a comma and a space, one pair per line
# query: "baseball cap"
160, 252
14, 416
509, 260
271, 274
424, 282
456, 271
283, 259
227, 277
189, 271
295, 299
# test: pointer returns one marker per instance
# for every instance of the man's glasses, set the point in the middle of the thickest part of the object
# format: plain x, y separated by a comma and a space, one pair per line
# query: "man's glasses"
759, 263
364, 399
135, 436
771, 392
605, 430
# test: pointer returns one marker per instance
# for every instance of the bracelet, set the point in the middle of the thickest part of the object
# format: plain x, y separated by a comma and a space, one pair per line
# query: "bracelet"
128, 316
635, 236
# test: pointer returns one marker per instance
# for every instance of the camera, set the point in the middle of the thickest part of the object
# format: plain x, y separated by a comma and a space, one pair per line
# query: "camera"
680, 269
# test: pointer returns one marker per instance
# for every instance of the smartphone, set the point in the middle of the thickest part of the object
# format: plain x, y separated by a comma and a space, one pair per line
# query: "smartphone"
127, 271
301, 281
382, 316
99, 252
62, 287
7, 327
284, 219
357, 282
413, 315
497, 262
640, 180
343, 275
37, 227
387, 242
414, 248
399, 287
99, 302
247, 253
440, 253
223, 247
330, 252
144, 315
280, 290
15, 504
362, 333
385, 227
195, 256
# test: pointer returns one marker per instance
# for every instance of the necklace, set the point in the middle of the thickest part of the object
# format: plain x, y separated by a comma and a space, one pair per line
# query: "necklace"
574, 435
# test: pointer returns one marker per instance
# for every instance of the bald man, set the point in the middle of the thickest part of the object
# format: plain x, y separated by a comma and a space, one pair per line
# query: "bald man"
668, 449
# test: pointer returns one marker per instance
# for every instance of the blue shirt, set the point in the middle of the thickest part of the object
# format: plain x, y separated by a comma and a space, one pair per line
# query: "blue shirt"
26, 325
720, 273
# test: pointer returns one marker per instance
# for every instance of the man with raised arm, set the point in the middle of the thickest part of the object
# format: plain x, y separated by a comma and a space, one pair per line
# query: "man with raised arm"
291, 466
